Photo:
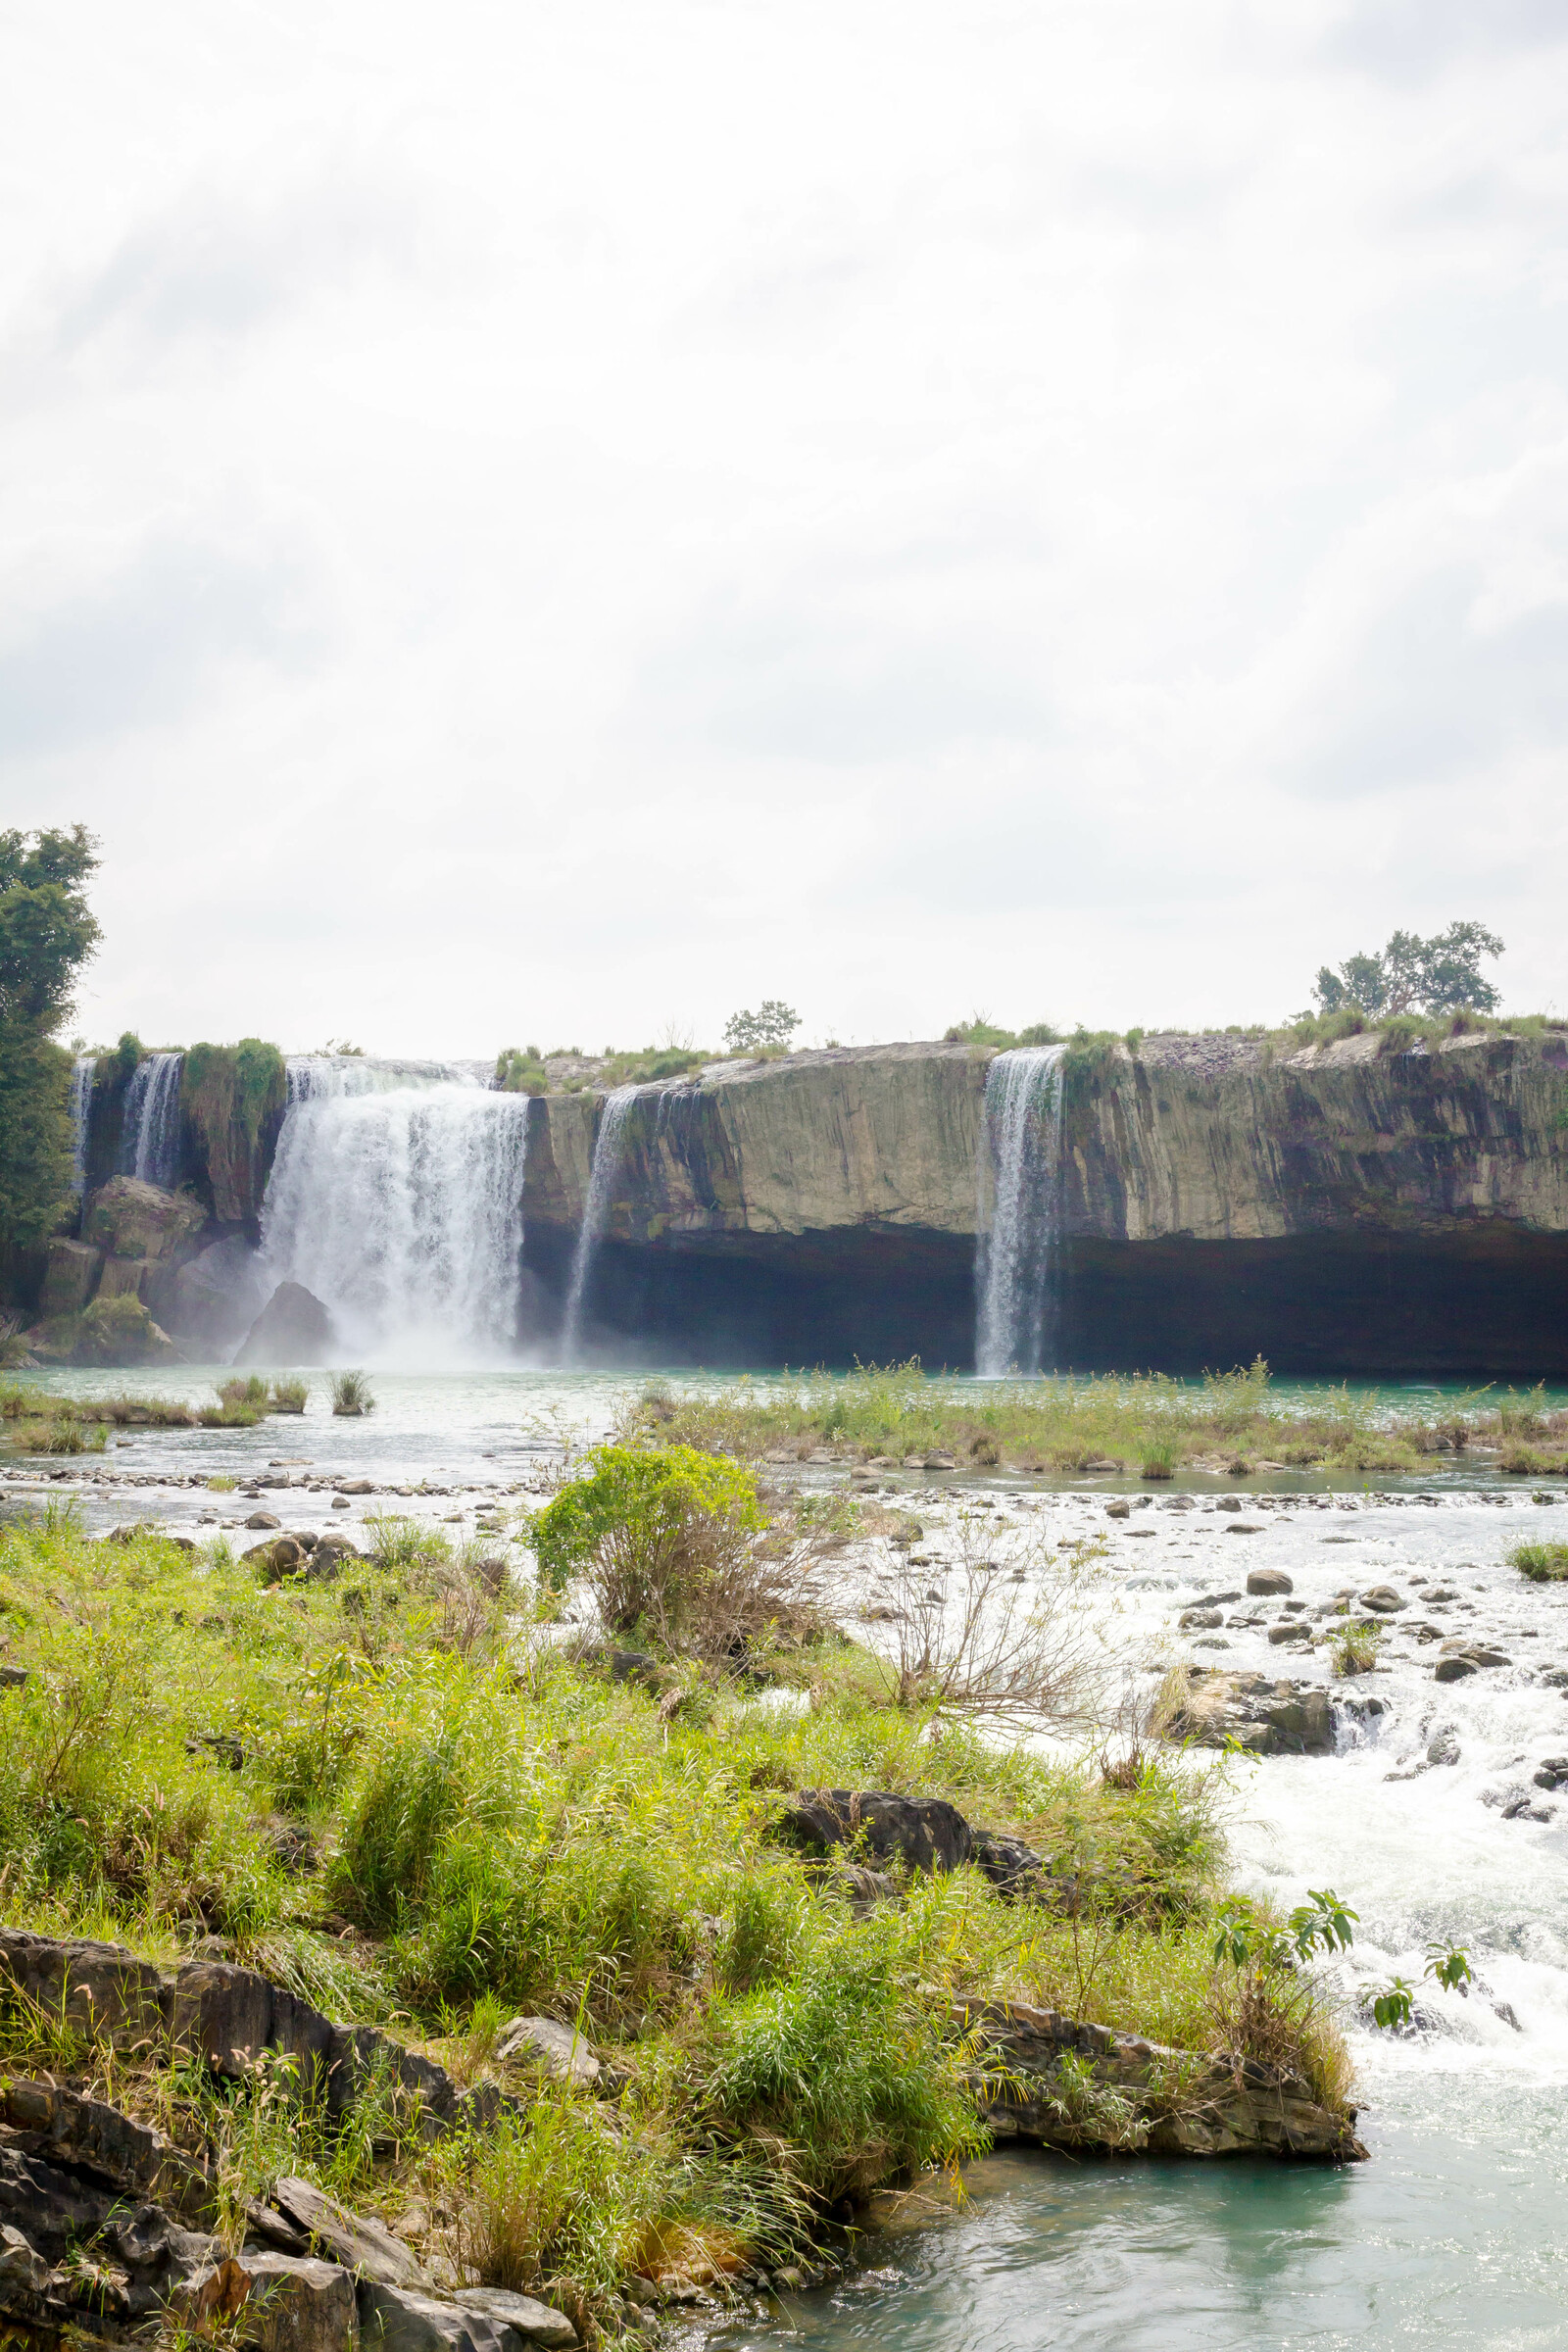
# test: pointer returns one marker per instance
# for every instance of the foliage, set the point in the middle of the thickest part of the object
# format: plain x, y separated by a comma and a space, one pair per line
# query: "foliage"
1411, 974
1448, 1965
521, 1071
288, 1396
664, 1537
769, 1028
233, 1099
1541, 1563
350, 1394
47, 933
978, 1031
1058, 1425
1353, 1648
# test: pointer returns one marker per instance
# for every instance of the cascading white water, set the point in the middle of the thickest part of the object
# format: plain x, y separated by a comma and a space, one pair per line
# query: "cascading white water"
149, 1134
1016, 1246
396, 1197
82, 1078
596, 1213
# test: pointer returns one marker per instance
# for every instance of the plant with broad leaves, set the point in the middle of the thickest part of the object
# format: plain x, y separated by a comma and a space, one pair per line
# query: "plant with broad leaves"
1448, 1965
1246, 1940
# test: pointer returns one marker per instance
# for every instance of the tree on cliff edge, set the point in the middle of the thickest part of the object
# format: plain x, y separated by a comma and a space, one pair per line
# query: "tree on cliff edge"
47, 932
1440, 974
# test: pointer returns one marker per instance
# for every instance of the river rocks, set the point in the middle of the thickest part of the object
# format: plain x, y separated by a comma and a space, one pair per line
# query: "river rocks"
1292, 1629
1459, 1659
293, 1328
1120, 2092
297, 2303
1551, 1773
360, 2245
1444, 1748
921, 1833
1263, 1582
553, 2048
258, 1519
1119, 1509
1200, 1620
398, 2320
534, 2322
1383, 1601
1269, 1718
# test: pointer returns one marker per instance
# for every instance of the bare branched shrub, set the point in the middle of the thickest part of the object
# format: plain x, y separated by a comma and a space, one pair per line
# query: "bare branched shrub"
1000, 1627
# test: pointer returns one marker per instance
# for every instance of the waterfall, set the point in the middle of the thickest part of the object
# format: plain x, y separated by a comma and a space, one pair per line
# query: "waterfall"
395, 1196
149, 1133
596, 1213
82, 1078
1016, 1266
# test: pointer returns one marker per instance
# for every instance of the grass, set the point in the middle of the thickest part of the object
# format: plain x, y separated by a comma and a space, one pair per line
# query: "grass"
1354, 1648
36, 1422
439, 1818
1541, 1563
1224, 1424
350, 1394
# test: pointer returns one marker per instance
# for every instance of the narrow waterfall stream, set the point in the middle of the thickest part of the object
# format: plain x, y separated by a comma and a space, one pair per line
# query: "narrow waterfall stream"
81, 1084
149, 1136
1015, 1246
396, 1197
596, 1214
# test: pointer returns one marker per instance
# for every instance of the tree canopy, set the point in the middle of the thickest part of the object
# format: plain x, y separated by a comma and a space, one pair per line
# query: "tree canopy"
47, 932
1411, 974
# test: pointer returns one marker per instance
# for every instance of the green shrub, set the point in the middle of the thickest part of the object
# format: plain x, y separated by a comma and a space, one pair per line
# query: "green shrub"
648, 1525
1541, 1563
288, 1396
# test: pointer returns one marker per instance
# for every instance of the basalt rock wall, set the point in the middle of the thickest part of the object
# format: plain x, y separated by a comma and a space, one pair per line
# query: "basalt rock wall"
1342, 1208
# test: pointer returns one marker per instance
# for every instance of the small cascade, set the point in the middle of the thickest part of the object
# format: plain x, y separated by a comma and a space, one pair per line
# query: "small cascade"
596, 1213
396, 1197
81, 1079
149, 1134
1016, 1247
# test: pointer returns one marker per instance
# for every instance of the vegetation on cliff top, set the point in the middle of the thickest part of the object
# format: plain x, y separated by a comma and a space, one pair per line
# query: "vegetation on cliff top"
389, 1789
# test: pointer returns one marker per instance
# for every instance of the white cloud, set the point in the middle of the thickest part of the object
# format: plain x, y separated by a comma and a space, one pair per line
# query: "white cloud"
560, 520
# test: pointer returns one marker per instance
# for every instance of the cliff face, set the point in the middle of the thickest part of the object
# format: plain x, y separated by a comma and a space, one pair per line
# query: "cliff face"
1200, 1138
1338, 1209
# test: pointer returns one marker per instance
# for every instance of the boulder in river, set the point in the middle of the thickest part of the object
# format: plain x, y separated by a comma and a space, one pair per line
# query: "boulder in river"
1270, 1718
1269, 1581
292, 1328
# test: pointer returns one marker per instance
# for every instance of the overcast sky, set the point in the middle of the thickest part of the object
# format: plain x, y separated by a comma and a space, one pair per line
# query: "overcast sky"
542, 522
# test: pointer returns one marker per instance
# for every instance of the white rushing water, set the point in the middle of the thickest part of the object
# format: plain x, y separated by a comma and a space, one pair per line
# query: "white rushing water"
149, 1135
1016, 1247
396, 1197
596, 1214
82, 1078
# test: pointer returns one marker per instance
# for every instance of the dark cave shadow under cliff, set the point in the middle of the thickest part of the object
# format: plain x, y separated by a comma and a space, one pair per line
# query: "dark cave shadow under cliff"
1481, 1299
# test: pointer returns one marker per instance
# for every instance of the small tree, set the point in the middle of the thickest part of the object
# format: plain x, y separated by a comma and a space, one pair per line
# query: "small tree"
1440, 974
771, 1026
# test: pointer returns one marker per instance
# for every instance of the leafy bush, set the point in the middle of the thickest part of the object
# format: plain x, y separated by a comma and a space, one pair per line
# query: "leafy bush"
288, 1396
661, 1533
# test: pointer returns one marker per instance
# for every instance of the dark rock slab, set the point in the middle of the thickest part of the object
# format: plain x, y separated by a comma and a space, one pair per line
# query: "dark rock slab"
292, 1328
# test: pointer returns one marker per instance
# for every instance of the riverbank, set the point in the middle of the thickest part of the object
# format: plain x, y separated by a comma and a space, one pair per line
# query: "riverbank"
364, 1776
